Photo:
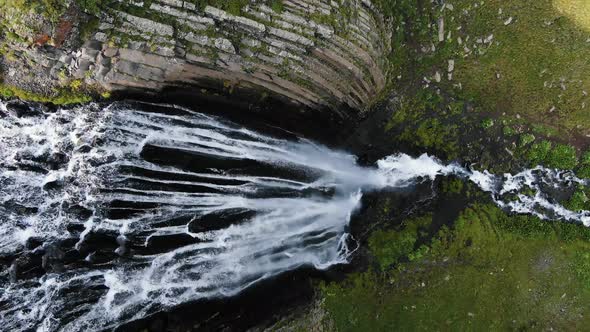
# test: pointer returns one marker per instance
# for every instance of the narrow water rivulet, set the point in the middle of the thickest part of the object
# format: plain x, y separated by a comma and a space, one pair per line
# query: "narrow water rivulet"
109, 214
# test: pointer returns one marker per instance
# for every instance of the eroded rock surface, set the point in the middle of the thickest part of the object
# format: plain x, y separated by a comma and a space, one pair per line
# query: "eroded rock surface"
317, 54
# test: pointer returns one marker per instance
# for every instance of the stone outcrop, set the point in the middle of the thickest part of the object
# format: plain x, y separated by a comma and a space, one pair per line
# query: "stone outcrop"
315, 54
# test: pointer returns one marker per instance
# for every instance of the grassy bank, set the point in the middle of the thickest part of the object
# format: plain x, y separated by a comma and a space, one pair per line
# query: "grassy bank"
501, 85
489, 271
473, 269
521, 67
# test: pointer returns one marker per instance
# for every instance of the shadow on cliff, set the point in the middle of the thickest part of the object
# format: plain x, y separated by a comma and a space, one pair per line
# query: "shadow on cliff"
257, 109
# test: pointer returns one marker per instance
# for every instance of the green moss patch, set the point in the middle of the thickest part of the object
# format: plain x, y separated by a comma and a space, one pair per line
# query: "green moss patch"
489, 271
390, 247
60, 97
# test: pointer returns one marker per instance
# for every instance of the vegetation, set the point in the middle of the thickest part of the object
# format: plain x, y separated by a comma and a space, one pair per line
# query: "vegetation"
526, 139
519, 70
390, 247
277, 6
428, 121
233, 7
487, 123
88, 28
517, 95
539, 152
520, 75
578, 201
562, 157
61, 97
91, 6
488, 271
51, 9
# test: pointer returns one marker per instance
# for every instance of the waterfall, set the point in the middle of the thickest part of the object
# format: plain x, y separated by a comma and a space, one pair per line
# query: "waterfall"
111, 213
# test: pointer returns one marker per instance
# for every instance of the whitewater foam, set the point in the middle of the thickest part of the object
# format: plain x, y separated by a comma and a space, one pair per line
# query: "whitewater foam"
153, 206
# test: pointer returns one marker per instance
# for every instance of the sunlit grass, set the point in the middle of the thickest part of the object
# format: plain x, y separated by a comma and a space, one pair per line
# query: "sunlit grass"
537, 65
576, 10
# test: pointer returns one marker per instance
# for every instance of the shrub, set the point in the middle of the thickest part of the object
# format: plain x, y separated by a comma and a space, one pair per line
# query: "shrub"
577, 201
390, 246
526, 139
508, 131
75, 85
90, 6
583, 171
562, 157
277, 6
487, 123
538, 152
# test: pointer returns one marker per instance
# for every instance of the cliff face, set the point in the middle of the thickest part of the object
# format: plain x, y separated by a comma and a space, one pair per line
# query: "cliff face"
312, 54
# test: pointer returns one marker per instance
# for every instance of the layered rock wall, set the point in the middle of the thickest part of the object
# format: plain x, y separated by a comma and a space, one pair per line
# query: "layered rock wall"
315, 54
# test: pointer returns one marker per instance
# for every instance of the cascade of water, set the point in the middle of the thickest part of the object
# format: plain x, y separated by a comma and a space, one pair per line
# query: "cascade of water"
111, 214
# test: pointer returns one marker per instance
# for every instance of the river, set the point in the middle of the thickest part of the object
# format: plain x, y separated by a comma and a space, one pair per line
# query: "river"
112, 212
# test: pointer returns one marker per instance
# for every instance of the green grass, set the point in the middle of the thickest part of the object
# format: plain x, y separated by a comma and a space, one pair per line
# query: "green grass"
391, 246
562, 157
489, 271
277, 6
527, 86
526, 139
539, 152
578, 201
51, 9
534, 55
233, 7
558, 156
60, 97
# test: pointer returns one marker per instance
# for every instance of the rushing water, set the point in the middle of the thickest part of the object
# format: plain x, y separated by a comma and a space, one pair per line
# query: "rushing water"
109, 214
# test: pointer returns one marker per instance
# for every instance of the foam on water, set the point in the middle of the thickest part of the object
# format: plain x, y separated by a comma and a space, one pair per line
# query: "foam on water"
134, 209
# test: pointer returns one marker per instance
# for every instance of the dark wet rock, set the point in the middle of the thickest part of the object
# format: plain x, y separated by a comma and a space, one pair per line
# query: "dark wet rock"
75, 228
25, 155
57, 160
219, 220
157, 325
52, 260
33, 243
19, 208
161, 244
98, 241
53, 185
84, 148
105, 160
81, 213
26, 266
21, 109
72, 256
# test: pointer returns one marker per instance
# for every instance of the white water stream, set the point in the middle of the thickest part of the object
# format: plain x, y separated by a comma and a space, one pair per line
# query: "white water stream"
132, 210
